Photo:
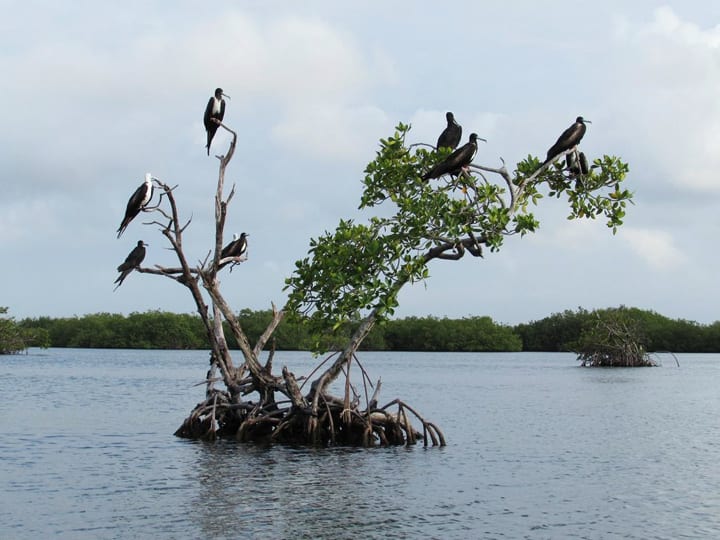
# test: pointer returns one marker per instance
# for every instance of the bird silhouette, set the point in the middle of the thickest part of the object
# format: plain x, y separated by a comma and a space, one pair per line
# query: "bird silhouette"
214, 113
570, 137
451, 135
137, 202
236, 248
577, 163
455, 162
132, 261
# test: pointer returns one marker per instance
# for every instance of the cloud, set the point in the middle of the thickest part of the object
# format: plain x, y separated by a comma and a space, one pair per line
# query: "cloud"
657, 248
15, 226
333, 131
289, 59
427, 124
96, 95
579, 235
666, 94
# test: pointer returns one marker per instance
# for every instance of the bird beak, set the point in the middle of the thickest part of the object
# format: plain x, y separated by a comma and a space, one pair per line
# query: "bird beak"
225, 95
587, 121
481, 139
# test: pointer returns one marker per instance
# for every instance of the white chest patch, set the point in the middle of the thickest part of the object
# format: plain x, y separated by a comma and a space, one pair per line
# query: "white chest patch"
216, 106
148, 194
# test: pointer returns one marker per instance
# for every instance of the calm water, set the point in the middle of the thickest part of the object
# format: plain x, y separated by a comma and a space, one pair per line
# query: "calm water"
537, 448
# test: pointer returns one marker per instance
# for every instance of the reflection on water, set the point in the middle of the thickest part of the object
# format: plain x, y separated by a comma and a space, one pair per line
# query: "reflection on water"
538, 448
297, 492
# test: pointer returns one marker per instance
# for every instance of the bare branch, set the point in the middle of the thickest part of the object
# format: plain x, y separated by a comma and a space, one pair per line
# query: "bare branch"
182, 229
177, 275
262, 340
234, 260
161, 211
421, 144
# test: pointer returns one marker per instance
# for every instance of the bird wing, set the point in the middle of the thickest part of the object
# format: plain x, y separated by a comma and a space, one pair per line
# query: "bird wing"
132, 209
454, 162
243, 246
444, 139
569, 138
134, 258
136, 201
450, 137
461, 157
457, 135
208, 114
122, 277
226, 250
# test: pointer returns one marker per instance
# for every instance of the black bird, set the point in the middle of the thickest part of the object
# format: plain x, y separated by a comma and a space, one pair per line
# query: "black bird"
570, 137
214, 113
577, 164
455, 162
450, 137
137, 202
132, 261
236, 248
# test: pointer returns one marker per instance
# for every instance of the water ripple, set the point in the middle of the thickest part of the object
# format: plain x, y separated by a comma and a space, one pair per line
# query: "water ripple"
551, 451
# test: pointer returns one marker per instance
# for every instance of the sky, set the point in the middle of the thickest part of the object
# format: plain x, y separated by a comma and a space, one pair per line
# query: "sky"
96, 94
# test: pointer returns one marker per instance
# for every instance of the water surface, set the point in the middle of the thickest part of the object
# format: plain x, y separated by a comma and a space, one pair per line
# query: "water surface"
537, 448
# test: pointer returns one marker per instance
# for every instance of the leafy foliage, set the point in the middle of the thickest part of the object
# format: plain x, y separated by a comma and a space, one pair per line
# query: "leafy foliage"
554, 333
358, 269
149, 330
15, 338
471, 334
163, 330
612, 339
557, 332
561, 331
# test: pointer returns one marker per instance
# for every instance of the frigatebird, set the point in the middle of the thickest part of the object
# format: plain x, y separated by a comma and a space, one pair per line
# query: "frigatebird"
236, 248
214, 113
450, 137
577, 164
132, 262
455, 162
570, 137
137, 202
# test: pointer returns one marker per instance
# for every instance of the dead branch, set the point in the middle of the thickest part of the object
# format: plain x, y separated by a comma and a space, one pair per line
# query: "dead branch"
262, 340
315, 418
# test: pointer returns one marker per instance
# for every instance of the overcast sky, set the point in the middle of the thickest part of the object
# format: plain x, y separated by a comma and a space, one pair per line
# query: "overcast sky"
95, 94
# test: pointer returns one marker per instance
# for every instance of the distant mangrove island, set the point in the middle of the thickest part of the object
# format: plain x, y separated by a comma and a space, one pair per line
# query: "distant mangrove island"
164, 330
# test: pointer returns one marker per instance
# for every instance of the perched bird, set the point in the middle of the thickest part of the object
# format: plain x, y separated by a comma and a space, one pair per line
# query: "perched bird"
137, 202
570, 137
450, 137
584, 165
577, 163
132, 261
214, 113
455, 162
236, 248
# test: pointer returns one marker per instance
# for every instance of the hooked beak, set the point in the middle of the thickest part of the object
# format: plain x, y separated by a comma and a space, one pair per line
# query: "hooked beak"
481, 139
225, 95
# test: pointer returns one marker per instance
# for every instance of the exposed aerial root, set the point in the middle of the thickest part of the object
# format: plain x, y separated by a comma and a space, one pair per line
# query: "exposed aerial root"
338, 421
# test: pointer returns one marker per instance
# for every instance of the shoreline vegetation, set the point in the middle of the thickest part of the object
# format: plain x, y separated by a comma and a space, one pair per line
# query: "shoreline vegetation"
559, 332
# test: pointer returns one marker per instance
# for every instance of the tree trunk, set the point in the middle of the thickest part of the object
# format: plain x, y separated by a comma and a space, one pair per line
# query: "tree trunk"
280, 413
